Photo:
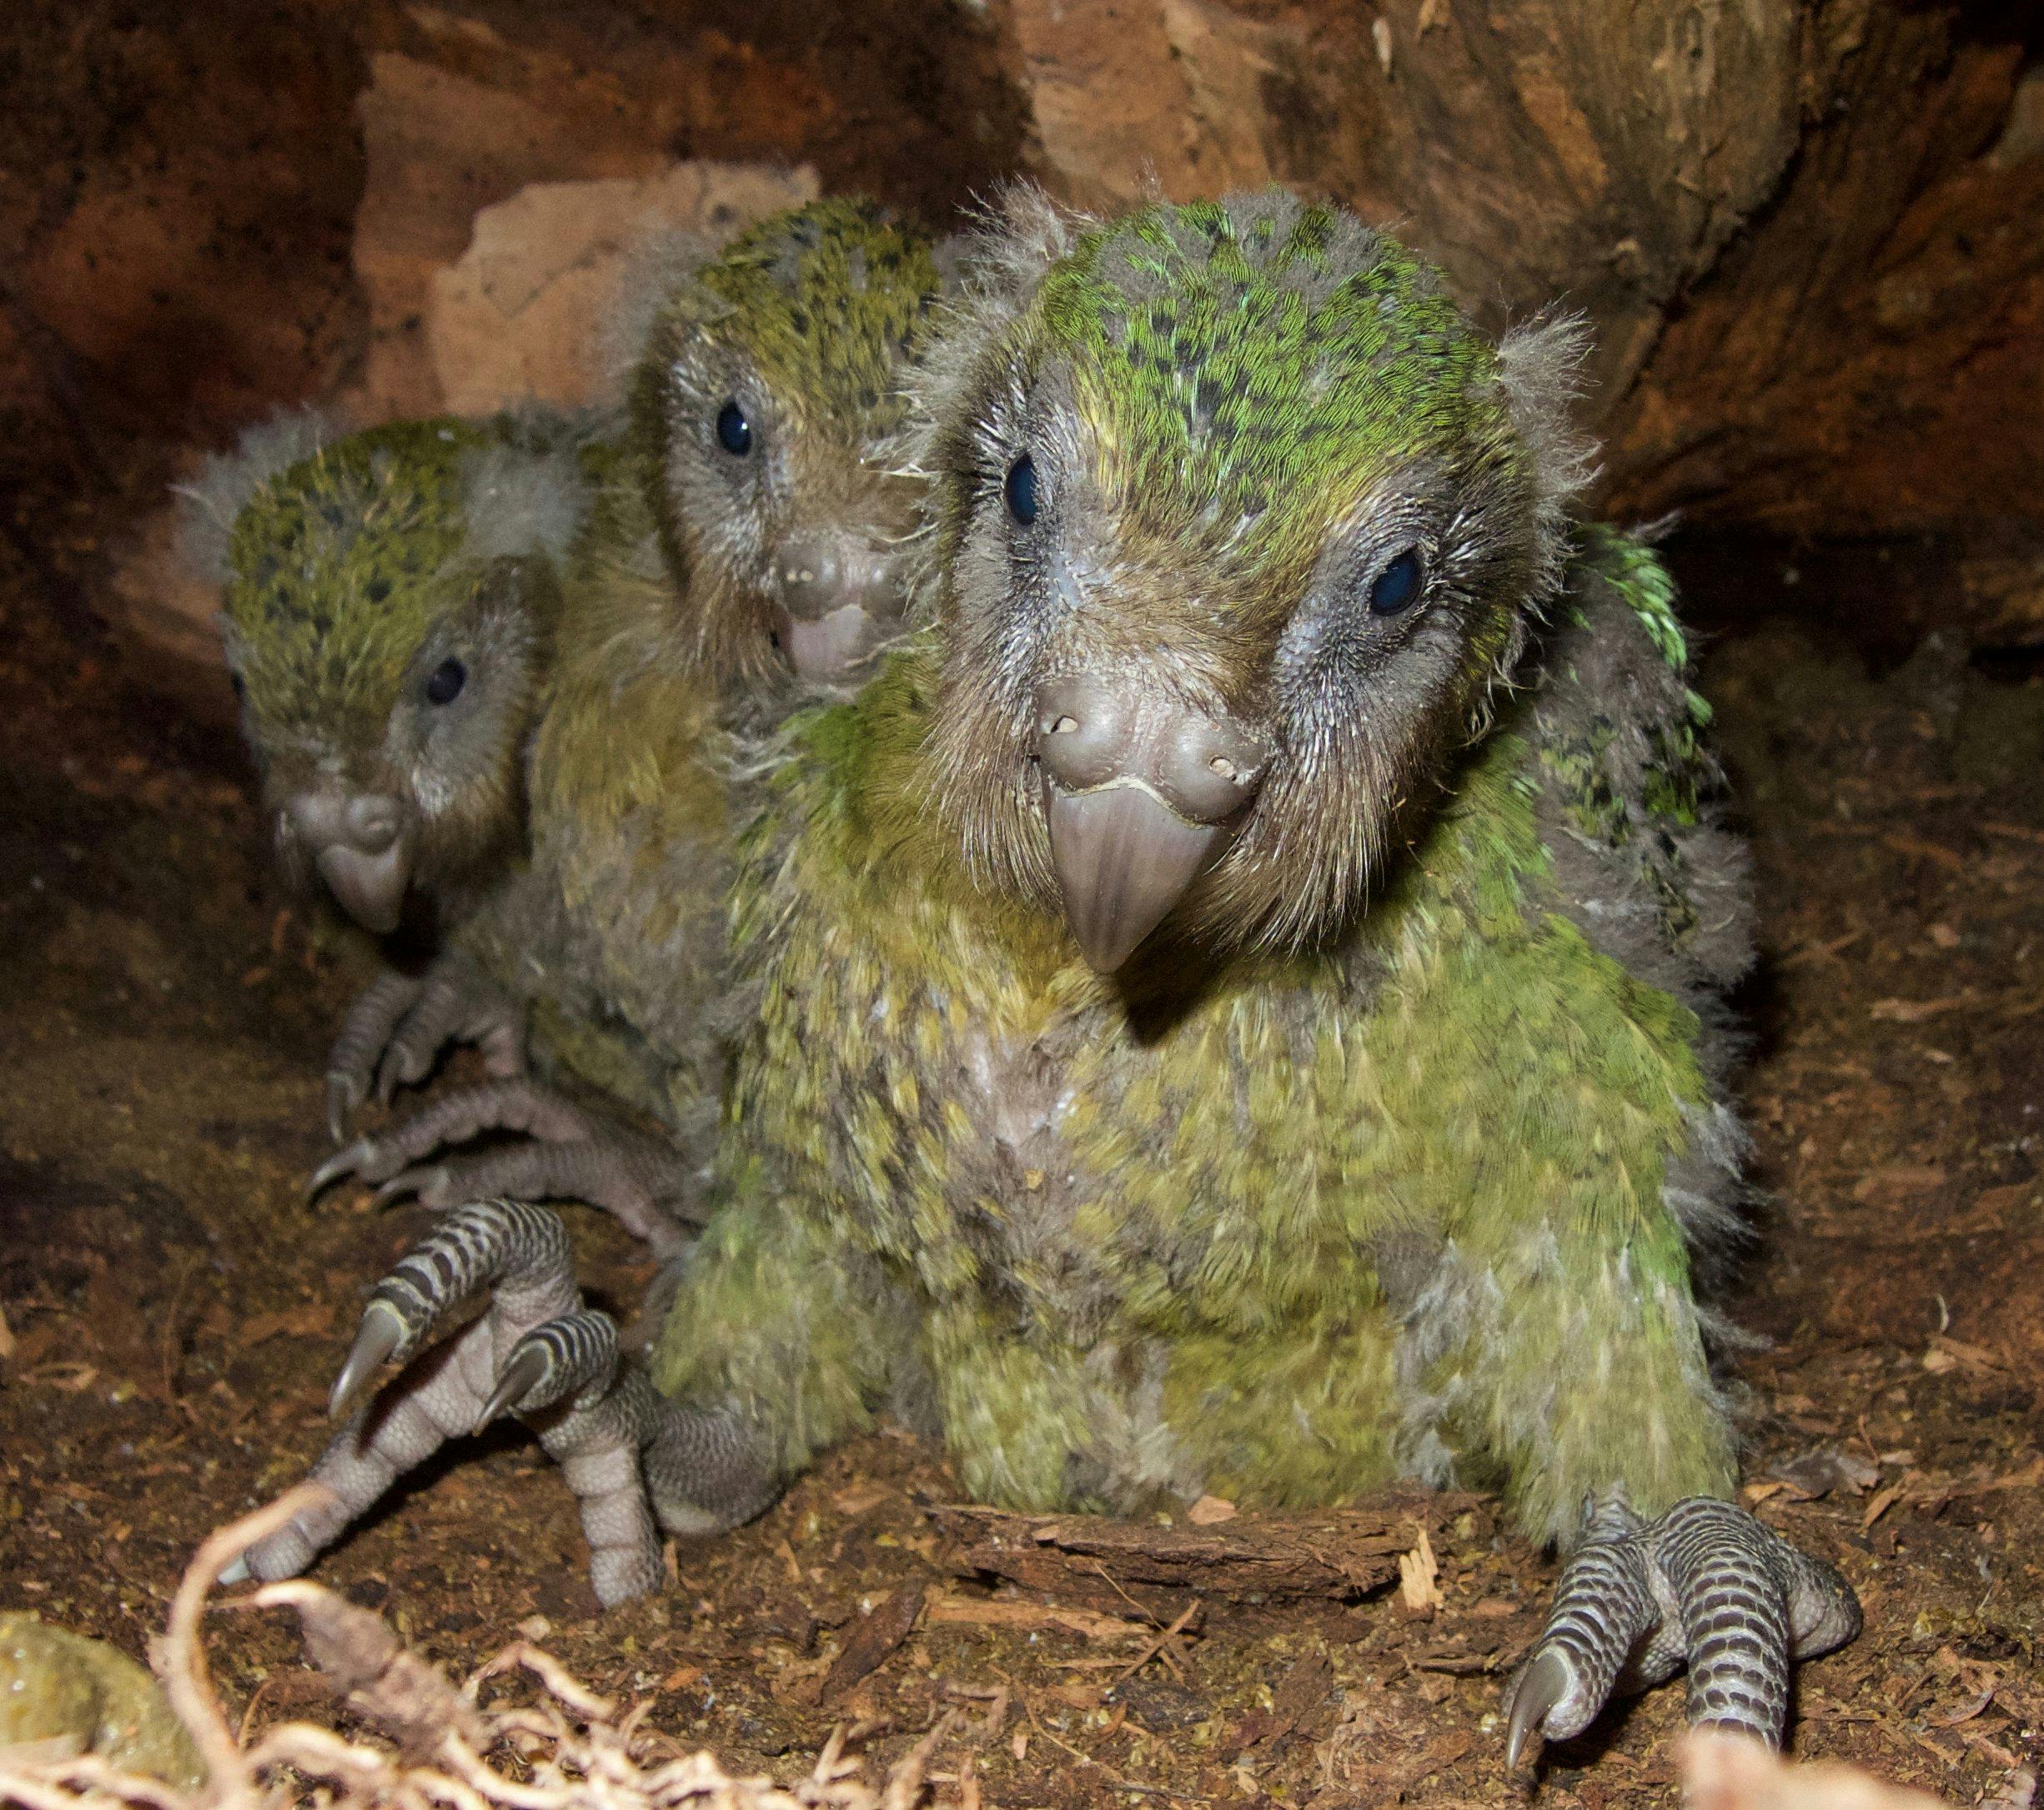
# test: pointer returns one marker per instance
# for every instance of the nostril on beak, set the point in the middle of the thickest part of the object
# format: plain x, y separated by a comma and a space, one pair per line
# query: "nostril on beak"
830, 569
1081, 732
1211, 769
372, 823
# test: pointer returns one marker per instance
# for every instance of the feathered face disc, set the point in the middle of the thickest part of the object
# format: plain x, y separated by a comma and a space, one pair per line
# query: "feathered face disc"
1242, 474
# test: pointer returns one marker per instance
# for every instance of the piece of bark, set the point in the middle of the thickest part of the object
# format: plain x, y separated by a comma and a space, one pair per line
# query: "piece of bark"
871, 1640
1008, 1612
1340, 1555
526, 311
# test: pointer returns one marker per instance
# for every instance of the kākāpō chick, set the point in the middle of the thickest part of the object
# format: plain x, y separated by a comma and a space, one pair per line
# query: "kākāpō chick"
388, 598
766, 398
1239, 996
747, 557
744, 559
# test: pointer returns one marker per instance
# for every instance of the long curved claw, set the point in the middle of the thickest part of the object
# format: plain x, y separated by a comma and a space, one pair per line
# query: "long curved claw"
505, 1243
344, 1161
381, 1333
646, 1183
396, 1031
344, 1094
512, 1105
370, 1024
518, 1254
1540, 1687
460, 1005
524, 1371
536, 1352
1603, 1605
433, 1183
576, 1355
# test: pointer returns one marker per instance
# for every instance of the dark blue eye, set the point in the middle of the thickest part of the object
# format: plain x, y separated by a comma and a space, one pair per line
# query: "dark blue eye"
734, 430
1397, 585
1021, 490
445, 682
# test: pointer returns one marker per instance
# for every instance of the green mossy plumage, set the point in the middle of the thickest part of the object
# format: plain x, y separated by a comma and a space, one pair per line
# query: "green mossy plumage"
826, 302
339, 564
1260, 395
1284, 1216
806, 316
350, 566
1197, 1304
1234, 403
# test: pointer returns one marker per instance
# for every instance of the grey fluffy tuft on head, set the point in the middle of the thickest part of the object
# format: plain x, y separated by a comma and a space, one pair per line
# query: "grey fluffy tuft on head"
1540, 368
530, 494
210, 504
656, 267
990, 272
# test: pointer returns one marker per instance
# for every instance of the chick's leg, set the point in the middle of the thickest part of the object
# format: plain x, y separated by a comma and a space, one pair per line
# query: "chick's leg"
648, 1184
533, 1351
1705, 1584
1575, 1349
782, 1339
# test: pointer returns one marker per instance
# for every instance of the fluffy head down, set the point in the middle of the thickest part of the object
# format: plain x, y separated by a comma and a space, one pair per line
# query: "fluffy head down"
388, 597
1273, 477
763, 413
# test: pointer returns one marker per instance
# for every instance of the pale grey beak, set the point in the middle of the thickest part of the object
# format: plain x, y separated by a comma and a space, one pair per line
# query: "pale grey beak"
827, 650
1123, 858
1142, 794
370, 888
358, 843
839, 598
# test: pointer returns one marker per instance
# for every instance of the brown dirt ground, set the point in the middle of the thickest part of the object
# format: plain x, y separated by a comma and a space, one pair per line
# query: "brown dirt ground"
175, 1310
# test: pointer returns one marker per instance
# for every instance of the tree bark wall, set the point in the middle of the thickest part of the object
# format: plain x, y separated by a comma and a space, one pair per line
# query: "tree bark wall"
1807, 231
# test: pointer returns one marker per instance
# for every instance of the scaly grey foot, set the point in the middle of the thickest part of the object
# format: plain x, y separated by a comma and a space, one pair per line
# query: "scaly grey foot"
539, 1353
1705, 1585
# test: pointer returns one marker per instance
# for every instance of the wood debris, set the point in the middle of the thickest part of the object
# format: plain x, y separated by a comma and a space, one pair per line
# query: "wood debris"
1013, 1611
1252, 1561
1419, 1572
872, 1640
569, 1749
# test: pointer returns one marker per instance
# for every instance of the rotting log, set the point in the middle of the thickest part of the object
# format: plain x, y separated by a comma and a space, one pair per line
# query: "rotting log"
1335, 1557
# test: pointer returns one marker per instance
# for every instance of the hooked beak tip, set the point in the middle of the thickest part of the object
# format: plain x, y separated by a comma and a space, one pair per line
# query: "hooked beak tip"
827, 649
1124, 859
370, 888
